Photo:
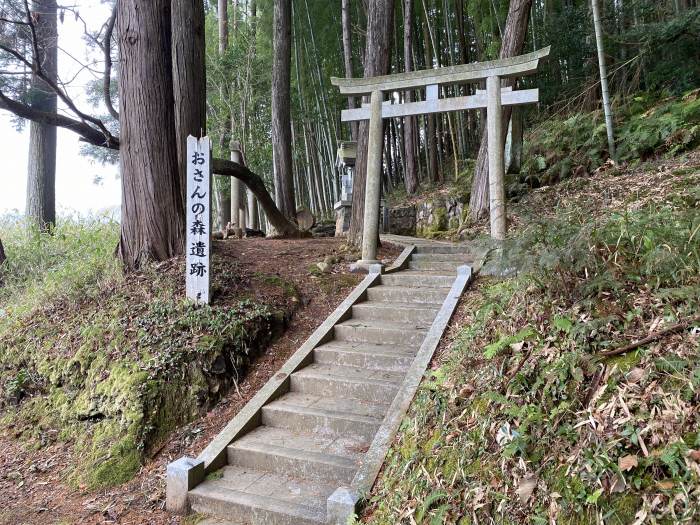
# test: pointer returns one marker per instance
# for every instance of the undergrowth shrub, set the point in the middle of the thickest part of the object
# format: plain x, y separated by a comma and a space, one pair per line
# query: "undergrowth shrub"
68, 263
644, 127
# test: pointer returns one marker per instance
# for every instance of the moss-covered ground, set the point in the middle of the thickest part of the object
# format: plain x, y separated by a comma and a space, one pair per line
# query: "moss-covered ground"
112, 362
520, 418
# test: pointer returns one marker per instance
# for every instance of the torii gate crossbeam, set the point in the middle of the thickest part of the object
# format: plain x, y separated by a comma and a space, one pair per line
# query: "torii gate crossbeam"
493, 99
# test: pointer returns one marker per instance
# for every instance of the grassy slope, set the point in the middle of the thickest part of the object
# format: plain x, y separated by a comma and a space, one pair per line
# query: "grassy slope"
114, 362
500, 431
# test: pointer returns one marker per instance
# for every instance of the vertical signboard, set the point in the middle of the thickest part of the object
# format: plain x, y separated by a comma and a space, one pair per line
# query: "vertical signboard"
198, 247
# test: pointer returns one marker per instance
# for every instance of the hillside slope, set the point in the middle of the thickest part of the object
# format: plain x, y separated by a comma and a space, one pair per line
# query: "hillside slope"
523, 419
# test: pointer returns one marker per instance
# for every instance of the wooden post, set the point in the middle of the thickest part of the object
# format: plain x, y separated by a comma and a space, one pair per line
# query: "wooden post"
373, 182
494, 124
198, 245
236, 192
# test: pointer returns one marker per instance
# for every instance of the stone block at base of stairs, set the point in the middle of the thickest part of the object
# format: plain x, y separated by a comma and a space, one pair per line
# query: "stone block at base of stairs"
183, 474
342, 505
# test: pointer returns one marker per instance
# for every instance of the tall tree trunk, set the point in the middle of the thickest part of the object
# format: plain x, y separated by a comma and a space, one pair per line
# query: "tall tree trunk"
512, 45
411, 173
607, 108
41, 172
377, 51
347, 57
281, 119
221, 188
189, 78
3, 257
153, 217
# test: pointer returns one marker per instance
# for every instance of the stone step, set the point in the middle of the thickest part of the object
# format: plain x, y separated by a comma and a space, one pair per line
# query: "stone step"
253, 497
365, 355
450, 268
376, 386
381, 332
416, 280
459, 258
397, 294
398, 312
316, 457
441, 248
303, 413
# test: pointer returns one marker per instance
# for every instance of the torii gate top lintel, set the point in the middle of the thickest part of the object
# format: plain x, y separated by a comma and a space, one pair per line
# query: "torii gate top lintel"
505, 67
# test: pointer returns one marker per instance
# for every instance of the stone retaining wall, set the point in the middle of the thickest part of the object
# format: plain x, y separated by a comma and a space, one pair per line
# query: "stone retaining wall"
428, 218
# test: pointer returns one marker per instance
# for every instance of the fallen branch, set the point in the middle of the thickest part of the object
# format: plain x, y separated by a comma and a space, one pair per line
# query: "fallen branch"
595, 383
655, 336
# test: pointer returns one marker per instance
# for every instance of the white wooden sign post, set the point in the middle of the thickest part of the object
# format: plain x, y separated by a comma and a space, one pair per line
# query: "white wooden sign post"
198, 247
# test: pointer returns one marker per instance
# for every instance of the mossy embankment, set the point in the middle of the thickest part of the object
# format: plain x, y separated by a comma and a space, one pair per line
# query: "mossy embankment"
521, 418
112, 362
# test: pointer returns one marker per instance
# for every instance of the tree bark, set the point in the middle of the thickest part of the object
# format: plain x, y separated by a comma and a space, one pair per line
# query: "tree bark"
153, 218
409, 123
41, 172
347, 57
222, 192
189, 78
377, 52
3, 257
512, 45
281, 117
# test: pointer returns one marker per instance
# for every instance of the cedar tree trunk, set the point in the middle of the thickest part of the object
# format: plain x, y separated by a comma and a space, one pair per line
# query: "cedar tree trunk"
281, 119
41, 172
189, 78
377, 50
153, 218
411, 173
512, 45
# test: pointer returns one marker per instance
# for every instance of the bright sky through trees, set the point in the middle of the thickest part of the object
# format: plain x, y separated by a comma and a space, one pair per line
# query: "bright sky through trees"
76, 190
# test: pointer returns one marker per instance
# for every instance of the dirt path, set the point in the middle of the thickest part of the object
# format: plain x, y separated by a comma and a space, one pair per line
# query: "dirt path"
33, 489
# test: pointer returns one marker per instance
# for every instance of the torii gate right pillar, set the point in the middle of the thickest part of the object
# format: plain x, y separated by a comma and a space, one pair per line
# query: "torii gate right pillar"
494, 130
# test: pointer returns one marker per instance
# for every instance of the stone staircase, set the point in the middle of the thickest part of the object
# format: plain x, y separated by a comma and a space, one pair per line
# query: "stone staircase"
312, 439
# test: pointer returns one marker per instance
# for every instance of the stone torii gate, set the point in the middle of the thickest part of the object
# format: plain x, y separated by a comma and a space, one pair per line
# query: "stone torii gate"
431, 79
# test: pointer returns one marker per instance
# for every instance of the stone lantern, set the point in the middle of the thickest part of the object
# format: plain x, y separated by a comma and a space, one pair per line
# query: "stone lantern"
345, 160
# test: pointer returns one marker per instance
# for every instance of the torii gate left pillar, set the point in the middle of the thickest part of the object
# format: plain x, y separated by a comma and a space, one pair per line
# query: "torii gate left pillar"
493, 100
373, 183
